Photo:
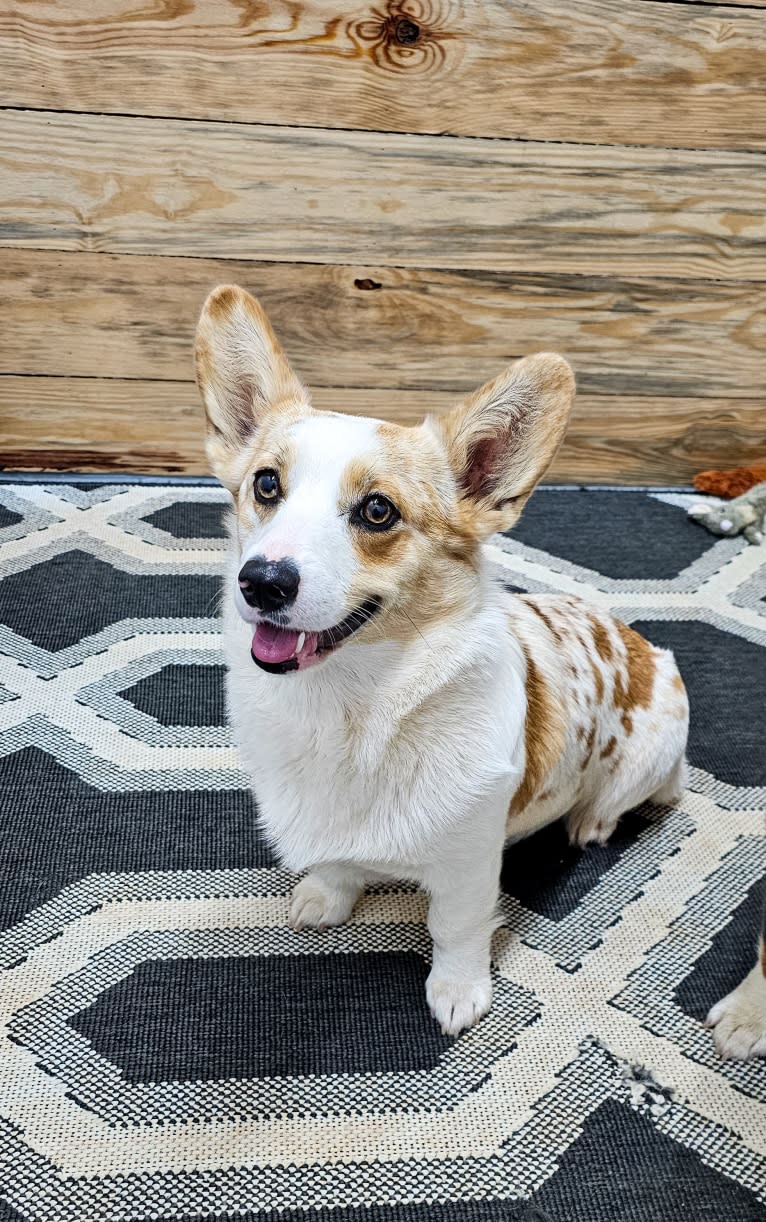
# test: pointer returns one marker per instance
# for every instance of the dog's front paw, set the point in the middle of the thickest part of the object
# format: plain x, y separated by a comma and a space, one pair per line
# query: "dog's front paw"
316, 904
739, 1020
457, 1004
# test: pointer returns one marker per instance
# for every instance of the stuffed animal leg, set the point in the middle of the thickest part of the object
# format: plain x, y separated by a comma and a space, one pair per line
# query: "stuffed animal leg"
745, 515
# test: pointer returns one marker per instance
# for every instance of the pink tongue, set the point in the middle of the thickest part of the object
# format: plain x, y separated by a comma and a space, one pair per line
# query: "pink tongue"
271, 644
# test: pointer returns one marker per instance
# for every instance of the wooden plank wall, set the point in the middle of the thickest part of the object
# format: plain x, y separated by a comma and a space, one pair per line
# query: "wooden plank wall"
418, 190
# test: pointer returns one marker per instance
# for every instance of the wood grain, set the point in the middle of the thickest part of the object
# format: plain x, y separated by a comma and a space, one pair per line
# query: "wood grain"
90, 424
158, 186
748, 4
647, 73
134, 317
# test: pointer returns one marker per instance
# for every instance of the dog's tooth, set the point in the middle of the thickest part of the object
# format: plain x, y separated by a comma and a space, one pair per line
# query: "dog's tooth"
301, 642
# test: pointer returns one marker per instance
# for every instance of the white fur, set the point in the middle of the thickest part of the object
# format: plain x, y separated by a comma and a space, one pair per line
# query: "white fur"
400, 760
335, 778
346, 787
739, 1020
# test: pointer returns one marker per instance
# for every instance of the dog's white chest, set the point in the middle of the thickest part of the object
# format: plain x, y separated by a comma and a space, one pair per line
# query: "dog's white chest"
314, 802
334, 782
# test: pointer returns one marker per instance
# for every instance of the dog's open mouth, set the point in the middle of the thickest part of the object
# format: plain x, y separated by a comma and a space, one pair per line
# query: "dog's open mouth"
281, 649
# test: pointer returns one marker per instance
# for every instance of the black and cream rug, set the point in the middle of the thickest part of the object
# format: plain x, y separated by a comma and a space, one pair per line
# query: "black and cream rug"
170, 1049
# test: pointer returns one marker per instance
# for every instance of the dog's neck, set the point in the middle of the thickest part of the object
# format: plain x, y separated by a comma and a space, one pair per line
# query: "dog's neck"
370, 687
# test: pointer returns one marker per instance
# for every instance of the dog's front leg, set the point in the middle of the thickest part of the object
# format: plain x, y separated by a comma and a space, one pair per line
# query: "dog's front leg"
461, 920
326, 896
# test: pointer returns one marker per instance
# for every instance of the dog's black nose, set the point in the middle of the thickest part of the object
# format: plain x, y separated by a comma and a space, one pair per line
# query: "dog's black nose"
269, 585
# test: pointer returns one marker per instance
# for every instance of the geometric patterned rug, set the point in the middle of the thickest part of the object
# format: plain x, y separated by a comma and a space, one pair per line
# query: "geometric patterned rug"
170, 1048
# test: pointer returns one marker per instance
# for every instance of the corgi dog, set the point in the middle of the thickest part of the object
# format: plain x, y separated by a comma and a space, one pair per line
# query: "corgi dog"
399, 713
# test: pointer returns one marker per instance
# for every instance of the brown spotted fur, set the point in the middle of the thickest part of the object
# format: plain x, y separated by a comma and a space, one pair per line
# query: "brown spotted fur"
603, 680
543, 736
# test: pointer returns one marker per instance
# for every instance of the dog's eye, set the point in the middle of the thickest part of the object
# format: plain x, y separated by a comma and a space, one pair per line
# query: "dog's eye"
377, 512
266, 485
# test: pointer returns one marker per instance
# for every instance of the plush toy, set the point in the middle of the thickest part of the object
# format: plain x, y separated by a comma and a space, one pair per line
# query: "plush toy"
745, 515
732, 482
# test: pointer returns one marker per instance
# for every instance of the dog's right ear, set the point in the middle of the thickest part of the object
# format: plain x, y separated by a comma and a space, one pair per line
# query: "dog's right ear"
242, 373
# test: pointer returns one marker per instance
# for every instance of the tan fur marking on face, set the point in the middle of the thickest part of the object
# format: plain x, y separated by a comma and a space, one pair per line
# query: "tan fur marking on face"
627, 723
373, 547
272, 447
424, 569
543, 736
379, 547
357, 480
545, 618
280, 460
601, 639
678, 684
426, 489
641, 666
609, 748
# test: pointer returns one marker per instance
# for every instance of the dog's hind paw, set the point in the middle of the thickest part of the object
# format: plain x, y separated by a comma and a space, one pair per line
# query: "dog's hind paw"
739, 1020
589, 826
317, 904
457, 1004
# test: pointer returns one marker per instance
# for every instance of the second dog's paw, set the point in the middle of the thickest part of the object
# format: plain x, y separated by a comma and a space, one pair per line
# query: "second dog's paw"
739, 1020
587, 827
316, 905
457, 1004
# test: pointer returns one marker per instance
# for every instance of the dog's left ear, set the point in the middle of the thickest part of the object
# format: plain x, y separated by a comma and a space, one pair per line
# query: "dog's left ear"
242, 373
502, 440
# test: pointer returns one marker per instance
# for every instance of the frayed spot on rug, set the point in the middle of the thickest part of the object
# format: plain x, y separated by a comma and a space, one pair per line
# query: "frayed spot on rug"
646, 1093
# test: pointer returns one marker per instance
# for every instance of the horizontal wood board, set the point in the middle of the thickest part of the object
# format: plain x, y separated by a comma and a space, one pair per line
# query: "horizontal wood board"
596, 72
159, 186
387, 327
91, 424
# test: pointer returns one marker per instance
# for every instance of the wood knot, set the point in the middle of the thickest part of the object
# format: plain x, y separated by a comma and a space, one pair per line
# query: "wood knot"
367, 284
406, 31
405, 34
